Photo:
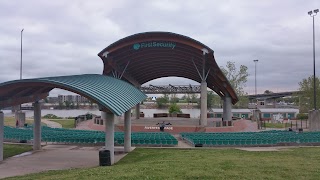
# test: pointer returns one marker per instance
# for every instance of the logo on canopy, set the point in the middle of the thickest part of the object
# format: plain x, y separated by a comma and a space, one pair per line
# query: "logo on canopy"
154, 44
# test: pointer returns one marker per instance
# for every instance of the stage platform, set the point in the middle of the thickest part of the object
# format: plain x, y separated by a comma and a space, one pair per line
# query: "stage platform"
178, 125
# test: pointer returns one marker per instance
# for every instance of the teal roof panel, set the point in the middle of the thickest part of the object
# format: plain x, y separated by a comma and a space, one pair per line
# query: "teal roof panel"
114, 94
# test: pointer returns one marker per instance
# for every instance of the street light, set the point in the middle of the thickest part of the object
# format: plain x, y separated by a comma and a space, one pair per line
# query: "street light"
313, 14
21, 56
255, 76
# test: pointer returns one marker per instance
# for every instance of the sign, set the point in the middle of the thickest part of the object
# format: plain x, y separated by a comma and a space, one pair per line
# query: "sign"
154, 44
157, 127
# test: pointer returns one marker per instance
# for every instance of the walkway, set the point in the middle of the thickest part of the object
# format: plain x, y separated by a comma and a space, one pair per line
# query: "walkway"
54, 157
51, 124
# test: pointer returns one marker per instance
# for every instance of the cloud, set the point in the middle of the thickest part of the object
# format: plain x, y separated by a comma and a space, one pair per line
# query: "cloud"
64, 37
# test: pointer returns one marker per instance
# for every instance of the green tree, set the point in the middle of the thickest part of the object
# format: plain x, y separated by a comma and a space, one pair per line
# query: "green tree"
268, 92
61, 105
174, 98
67, 103
306, 97
162, 101
174, 108
237, 79
194, 98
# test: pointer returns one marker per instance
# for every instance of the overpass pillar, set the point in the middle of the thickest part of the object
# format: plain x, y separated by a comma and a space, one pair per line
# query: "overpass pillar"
127, 131
108, 118
37, 127
227, 108
203, 105
1, 134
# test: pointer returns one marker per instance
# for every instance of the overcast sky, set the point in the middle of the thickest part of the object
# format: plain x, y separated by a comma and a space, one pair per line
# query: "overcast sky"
64, 37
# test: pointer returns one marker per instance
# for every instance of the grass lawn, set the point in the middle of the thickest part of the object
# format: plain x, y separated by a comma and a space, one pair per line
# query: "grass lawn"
13, 149
295, 163
66, 123
277, 125
10, 121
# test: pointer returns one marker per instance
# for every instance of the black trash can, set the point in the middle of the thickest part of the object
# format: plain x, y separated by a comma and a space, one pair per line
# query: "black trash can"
104, 158
198, 145
300, 130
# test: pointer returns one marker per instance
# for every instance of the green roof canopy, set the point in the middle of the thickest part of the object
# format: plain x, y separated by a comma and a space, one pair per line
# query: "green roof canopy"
110, 93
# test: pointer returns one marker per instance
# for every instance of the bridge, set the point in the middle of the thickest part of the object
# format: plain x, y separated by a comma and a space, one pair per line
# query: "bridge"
193, 89
171, 89
274, 95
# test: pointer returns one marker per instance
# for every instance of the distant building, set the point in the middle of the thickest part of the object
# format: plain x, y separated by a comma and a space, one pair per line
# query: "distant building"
72, 98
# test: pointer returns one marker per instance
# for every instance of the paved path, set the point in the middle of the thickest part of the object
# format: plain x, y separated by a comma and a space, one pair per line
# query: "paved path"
51, 124
53, 157
84, 125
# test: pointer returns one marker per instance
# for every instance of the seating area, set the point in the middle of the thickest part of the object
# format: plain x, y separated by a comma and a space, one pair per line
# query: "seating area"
264, 138
61, 135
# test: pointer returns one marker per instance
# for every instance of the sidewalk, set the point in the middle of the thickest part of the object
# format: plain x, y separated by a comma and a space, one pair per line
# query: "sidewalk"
51, 123
53, 157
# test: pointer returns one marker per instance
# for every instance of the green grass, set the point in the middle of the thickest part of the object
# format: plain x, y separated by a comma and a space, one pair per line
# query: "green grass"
277, 125
10, 121
13, 149
66, 123
295, 163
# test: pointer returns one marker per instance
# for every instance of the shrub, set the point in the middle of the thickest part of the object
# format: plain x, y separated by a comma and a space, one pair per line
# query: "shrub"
174, 108
302, 116
51, 116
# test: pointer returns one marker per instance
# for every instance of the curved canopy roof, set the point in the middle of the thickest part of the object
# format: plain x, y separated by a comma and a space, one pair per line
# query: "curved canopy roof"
109, 93
142, 57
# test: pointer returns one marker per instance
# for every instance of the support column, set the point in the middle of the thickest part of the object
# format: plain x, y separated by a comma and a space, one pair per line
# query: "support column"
1, 134
127, 131
138, 111
108, 118
224, 111
37, 127
227, 108
203, 105
314, 120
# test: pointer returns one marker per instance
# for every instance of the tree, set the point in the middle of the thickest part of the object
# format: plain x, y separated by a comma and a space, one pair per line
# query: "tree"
67, 103
306, 97
162, 101
268, 92
174, 98
194, 98
174, 108
237, 79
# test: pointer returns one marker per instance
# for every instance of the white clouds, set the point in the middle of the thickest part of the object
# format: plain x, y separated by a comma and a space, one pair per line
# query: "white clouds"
64, 37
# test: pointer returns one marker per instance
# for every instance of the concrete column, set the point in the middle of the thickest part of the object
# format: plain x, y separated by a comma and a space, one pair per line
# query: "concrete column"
138, 111
227, 108
203, 105
1, 134
127, 131
37, 127
314, 120
108, 118
21, 118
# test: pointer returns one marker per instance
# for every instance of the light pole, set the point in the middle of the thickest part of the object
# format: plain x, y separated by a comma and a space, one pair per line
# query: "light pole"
21, 56
255, 76
313, 14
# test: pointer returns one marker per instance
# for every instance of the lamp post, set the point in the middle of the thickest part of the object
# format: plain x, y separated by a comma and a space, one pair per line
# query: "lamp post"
313, 14
255, 76
21, 56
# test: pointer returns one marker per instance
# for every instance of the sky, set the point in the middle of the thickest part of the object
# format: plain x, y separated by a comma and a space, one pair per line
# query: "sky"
64, 37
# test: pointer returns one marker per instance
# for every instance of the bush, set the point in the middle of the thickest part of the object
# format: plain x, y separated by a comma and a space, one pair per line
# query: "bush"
174, 108
51, 116
302, 116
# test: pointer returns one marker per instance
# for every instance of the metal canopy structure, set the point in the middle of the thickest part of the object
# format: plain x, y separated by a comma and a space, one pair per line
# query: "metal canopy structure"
109, 93
142, 57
